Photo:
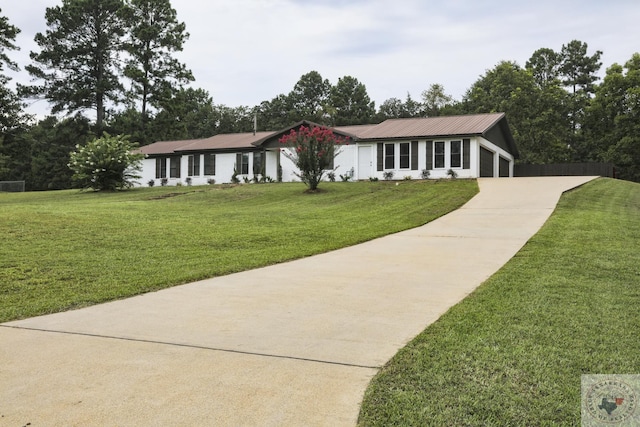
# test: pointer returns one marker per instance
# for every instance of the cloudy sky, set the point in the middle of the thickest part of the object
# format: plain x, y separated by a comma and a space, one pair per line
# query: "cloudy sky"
244, 52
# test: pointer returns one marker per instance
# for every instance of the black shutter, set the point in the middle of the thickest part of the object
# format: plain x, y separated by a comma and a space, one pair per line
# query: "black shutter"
380, 162
414, 155
238, 167
466, 155
429, 155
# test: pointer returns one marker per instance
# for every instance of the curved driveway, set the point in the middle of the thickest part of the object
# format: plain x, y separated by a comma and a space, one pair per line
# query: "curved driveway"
291, 344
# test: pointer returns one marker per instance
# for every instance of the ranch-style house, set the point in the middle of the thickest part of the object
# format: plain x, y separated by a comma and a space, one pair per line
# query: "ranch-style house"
476, 145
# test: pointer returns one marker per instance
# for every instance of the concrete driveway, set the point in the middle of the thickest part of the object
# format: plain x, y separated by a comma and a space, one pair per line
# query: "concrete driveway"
291, 344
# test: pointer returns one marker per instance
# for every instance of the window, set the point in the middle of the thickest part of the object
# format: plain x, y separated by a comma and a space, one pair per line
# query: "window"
174, 167
438, 154
242, 163
404, 155
194, 165
389, 156
161, 167
209, 164
456, 154
258, 164
245, 164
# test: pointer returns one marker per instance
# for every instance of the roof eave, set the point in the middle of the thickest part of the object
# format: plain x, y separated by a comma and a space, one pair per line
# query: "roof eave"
414, 137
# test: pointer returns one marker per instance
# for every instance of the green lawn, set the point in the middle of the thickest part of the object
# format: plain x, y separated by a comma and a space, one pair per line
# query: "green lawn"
68, 249
512, 353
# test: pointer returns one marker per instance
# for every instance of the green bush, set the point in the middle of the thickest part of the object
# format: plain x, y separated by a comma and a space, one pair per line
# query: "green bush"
106, 163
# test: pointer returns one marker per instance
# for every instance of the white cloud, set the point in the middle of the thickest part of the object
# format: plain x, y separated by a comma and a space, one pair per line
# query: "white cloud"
247, 51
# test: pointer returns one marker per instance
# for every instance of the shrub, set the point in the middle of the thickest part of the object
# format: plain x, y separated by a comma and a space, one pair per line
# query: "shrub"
332, 176
188, 180
425, 174
452, 174
346, 177
164, 182
106, 163
408, 178
151, 183
312, 151
373, 178
388, 175
211, 181
234, 177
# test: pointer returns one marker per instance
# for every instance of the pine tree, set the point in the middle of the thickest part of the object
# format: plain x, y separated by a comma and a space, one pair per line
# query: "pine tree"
79, 57
154, 35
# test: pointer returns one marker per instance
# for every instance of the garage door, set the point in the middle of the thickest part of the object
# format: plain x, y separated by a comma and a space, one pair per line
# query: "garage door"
503, 171
486, 163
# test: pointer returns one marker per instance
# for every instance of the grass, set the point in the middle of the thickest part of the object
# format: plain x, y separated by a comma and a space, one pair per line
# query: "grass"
512, 353
68, 249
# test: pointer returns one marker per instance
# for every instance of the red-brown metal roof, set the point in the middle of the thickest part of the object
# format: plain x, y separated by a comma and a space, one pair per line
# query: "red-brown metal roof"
228, 141
164, 147
355, 130
430, 127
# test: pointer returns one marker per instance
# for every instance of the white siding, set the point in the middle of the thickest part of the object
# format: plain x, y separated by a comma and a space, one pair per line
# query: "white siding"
345, 161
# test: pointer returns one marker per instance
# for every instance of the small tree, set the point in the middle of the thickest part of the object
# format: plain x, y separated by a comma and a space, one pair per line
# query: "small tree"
106, 163
313, 151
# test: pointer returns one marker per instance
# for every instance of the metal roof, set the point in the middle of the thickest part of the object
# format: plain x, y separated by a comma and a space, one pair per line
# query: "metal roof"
355, 130
164, 147
431, 127
227, 141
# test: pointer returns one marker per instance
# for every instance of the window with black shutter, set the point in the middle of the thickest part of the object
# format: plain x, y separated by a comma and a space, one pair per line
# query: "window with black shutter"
194, 165
456, 154
466, 155
414, 155
209, 164
438, 154
389, 156
174, 167
161, 167
429, 155
404, 155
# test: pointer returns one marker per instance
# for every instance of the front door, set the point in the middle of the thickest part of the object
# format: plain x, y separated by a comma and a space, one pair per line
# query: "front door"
365, 162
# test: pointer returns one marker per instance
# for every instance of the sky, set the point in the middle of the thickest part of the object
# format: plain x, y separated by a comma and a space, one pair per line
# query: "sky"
244, 52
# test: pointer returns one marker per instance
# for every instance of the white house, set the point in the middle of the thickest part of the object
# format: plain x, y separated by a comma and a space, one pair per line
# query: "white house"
477, 145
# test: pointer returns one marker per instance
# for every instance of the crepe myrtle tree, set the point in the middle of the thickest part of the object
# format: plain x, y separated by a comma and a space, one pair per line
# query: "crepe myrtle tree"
106, 164
312, 149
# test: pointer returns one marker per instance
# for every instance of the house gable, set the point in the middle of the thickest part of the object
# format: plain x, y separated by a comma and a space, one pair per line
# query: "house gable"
500, 135
272, 141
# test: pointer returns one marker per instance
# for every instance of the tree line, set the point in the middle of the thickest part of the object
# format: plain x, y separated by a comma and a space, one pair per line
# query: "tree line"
117, 59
